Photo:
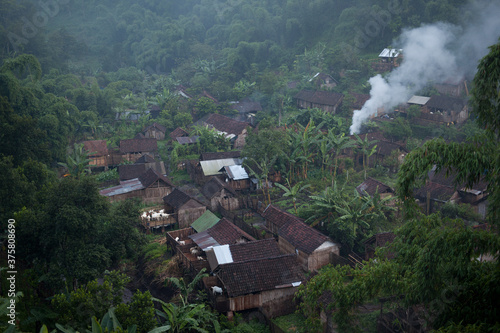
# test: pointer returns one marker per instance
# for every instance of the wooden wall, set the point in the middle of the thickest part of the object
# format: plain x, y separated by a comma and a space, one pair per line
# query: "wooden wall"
186, 217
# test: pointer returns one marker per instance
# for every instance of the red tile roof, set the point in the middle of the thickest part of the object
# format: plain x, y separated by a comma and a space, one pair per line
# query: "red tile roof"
359, 100
178, 133
138, 145
319, 97
371, 186
226, 124
213, 186
220, 155
254, 276
437, 192
177, 199
226, 232
151, 176
302, 236
278, 217
259, 249
157, 126
96, 147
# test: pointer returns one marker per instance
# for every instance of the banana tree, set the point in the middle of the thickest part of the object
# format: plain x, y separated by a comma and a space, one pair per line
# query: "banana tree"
337, 144
367, 148
292, 191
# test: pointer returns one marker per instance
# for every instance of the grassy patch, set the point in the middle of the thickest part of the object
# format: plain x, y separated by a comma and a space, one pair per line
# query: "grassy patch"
179, 176
293, 322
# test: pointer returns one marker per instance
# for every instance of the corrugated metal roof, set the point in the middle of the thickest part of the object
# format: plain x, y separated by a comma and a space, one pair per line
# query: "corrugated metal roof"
420, 100
124, 187
205, 221
213, 167
390, 53
185, 140
204, 240
236, 172
223, 254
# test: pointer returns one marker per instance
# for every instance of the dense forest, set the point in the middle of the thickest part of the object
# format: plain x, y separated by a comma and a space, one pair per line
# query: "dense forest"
78, 71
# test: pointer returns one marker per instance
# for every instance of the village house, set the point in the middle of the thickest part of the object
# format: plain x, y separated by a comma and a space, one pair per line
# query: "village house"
202, 171
388, 60
371, 186
205, 221
376, 241
268, 284
324, 100
453, 88
220, 155
150, 187
294, 236
445, 110
223, 232
247, 110
218, 193
323, 81
184, 207
155, 131
236, 177
132, 149
234, 130
131, 171
178, 133
98, 153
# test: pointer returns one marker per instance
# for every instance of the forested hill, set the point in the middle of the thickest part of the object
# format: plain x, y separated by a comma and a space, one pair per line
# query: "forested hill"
160, 36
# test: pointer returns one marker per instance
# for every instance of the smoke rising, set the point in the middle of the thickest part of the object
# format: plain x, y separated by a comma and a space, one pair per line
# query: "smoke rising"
432, 53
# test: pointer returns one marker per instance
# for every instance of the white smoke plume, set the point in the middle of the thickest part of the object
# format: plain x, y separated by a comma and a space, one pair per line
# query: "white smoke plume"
432, 53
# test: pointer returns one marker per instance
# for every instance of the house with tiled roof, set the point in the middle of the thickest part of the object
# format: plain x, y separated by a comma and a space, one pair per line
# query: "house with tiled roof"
445, 110
267, 283
150, 187
132, 149
259, 249
178, 133
155, 131
232, 129
371, 186
223, 233
184, 207
218, 193
313, 249
376, 241
220, 155
325, 100
98, 152
246, 110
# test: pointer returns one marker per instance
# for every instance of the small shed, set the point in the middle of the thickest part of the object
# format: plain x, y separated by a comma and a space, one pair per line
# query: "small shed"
219, 193
132, 149
186, 208
236, 177
98, 152
325, 100
155, 131
325, 81
234, 129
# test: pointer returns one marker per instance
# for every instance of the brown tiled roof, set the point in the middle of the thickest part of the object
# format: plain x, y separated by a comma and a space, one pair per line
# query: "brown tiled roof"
96, 147
146, 158
131, 171
441, 178
319, 97
177, 198
246, 106
177, 133
139, 136
371, 186
151, 176
446, 103
437, 191
254, 276
138, 145
385, 148
159, 127
220, 155
279, 217
359, 100
260, 249
213, 186
226, 232
302, 236
226, 124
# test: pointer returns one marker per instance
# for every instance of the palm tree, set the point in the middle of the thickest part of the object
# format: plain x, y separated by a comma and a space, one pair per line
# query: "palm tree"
292, 191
